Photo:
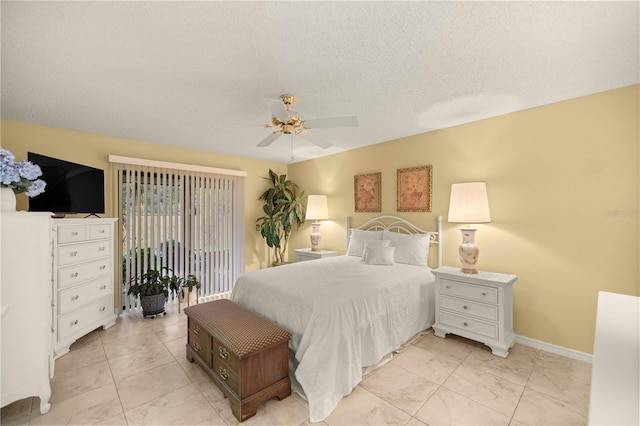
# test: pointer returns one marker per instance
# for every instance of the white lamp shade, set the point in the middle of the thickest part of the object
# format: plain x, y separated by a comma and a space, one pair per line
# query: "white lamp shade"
317, 207
469, 203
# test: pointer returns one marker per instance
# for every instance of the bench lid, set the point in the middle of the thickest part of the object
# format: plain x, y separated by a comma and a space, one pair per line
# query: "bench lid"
243, 332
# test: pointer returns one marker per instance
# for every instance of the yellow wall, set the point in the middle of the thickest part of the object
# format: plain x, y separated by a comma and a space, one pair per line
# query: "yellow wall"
94, 150
563, 186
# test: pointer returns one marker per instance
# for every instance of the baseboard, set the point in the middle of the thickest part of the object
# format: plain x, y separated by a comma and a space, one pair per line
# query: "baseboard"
554, 349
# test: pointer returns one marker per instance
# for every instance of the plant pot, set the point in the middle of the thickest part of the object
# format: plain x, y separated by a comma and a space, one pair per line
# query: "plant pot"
152, 305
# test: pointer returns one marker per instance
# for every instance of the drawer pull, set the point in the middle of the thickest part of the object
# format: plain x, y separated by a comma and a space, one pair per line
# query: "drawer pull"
224, 354
74, 322
74, 275
101, 249
76, 297
196, 346
223, 373
196, 329
466, 324
75, 234
484, 294
101, 231
465, 307
447, 286
103, 287
103, 308
73, 253
103, 267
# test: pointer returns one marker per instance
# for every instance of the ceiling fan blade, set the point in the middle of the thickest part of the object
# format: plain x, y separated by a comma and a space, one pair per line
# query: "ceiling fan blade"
331, 122
277, 109
269, 139
317, 140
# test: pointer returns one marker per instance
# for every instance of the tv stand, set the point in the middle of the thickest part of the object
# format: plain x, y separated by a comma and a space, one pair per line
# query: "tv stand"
92, 214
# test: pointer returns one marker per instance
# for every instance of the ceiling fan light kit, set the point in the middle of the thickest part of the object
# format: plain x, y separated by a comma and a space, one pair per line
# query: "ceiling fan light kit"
291, 122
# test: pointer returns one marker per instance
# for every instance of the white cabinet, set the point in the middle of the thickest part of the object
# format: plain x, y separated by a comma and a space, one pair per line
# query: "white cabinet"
476, 306
83, 279
307, 254
25, 299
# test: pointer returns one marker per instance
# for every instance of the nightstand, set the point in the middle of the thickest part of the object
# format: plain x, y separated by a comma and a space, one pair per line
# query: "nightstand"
306, 254
476, 306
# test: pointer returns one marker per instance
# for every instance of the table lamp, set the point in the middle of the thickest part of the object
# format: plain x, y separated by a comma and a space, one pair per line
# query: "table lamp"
468, 204
316, 210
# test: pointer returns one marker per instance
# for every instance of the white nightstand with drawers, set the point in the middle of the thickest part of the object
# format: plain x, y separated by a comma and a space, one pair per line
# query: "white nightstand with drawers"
306, 254
476, 306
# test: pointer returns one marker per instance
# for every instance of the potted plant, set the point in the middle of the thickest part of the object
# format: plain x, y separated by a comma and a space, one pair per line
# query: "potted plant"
283, 209
184, 288
153, 288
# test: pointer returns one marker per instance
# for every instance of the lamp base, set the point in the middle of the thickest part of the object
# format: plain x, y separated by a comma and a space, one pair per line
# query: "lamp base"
468, 251
315, 237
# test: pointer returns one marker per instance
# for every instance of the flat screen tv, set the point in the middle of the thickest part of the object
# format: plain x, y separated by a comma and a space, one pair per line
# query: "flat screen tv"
71, 187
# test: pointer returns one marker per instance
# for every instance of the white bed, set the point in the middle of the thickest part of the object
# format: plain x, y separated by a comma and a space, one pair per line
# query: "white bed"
344, 313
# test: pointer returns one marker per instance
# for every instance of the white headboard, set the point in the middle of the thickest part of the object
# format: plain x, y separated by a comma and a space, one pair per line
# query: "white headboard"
397, 224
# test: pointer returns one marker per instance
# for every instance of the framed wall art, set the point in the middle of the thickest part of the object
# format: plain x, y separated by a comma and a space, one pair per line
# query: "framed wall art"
367, 192
414, 189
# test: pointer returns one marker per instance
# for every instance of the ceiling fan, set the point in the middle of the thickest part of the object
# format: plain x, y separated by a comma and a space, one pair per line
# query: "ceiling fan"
291, 122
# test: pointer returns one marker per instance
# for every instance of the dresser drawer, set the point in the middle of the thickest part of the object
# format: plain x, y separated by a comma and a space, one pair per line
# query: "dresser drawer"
76, 253
81, 318
200, 342
226, 365
466, 307
78, 296
70, 234
77, 274
469, 291
100, 231
472, 325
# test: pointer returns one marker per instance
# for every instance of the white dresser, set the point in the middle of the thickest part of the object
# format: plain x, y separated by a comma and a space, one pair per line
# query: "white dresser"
83, 279
25, 299
476, 306
307, 254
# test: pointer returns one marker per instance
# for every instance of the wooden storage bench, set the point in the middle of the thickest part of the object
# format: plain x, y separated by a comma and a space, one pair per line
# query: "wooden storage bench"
246, 355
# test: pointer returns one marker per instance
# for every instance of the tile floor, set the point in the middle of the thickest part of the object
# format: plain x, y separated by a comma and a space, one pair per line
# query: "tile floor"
136, 373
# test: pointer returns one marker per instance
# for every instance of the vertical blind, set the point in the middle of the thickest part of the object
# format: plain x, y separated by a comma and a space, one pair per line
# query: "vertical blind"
183, 222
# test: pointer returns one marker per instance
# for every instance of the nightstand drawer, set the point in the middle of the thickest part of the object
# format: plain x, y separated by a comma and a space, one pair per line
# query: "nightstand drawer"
469, 291
466, 307
472, 325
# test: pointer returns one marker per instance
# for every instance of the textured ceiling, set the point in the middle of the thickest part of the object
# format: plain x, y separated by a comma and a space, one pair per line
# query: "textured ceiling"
194, 74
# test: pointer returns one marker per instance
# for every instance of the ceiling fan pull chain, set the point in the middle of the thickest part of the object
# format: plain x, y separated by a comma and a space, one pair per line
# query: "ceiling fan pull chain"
291, 156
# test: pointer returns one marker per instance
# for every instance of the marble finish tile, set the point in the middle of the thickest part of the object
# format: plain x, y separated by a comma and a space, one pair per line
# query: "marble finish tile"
364, 408
18, 412
516, 367
537, 408
491, 391
426, 364
563, 378
116, 346
136, 362
148, 385
67, 384
415, 422
173, 332
400, 387
184, 406
272, 413
119, 420
88, 408
446, 407
81, 354
177, 347
451, 347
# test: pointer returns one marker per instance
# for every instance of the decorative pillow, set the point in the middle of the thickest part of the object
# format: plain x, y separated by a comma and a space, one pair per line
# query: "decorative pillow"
358, 237
411, 249
379, 255
374, 243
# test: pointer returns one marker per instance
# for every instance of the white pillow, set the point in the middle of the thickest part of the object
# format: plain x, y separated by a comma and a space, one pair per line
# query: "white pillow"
358, 237
411, 249
379, 255
374, 243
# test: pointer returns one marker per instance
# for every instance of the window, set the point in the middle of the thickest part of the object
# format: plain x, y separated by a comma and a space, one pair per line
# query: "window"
187, 219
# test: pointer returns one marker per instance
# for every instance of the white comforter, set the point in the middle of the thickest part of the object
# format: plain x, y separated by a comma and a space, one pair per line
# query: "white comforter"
343, 315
